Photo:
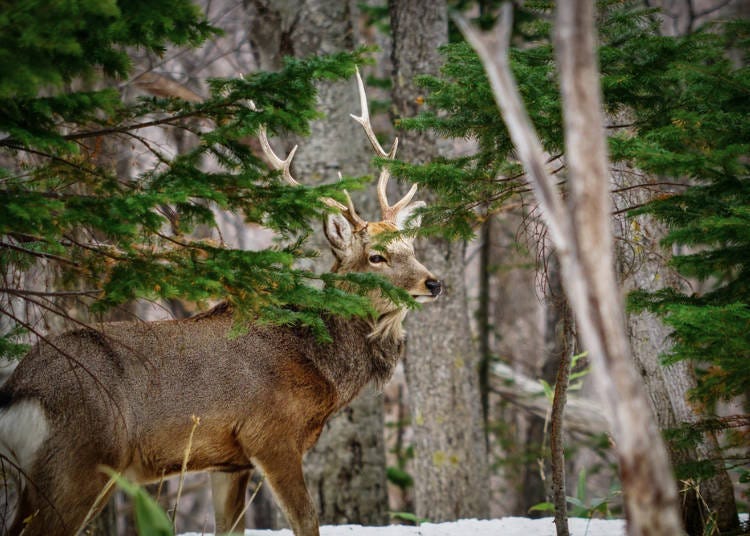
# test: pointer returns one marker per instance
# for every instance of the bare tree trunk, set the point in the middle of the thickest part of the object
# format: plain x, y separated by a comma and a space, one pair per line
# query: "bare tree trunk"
345, 471
441, 363
483, 320
559, 333
583, 240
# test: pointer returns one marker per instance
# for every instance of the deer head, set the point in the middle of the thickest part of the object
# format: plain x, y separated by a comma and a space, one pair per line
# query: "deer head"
356, 243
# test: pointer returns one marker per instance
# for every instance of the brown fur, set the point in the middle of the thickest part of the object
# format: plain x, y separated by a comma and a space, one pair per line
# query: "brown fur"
262, 398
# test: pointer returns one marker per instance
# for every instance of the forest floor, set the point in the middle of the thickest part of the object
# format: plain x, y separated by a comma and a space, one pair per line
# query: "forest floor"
507, 526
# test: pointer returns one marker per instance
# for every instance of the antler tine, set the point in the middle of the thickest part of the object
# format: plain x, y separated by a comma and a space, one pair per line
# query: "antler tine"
391, 211
283, 165
349, 212
276, 162
364, 120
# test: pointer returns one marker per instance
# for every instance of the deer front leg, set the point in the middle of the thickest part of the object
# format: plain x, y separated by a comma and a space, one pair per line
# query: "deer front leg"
284, 474
229, 493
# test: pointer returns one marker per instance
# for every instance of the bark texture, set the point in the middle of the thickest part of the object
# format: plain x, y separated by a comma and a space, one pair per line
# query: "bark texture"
450, 469
345, 471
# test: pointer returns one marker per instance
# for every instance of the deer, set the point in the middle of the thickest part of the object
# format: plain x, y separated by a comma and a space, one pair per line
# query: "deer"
261, 398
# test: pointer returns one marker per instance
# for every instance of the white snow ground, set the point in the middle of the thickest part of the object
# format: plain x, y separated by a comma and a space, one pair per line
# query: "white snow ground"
507, 526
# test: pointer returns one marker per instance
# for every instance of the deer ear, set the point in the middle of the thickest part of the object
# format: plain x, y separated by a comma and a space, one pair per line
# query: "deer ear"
339, 233
407, 217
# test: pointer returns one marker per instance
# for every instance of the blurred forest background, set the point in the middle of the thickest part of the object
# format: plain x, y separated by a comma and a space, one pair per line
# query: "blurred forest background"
462, 430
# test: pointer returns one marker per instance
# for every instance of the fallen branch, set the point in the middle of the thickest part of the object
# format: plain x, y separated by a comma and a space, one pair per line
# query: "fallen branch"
582, 415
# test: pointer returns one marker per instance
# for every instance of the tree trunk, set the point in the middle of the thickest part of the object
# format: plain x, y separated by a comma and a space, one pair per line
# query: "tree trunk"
345, 471
558, 336
650, 495
582, 237
668, 386
450, 468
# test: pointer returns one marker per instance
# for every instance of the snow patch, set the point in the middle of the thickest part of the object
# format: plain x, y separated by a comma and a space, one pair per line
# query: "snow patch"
507, 526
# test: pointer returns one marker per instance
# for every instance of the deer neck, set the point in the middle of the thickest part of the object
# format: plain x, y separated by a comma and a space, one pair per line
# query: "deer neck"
359, 353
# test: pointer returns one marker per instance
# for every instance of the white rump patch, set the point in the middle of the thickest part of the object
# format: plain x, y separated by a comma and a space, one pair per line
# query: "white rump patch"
23, 429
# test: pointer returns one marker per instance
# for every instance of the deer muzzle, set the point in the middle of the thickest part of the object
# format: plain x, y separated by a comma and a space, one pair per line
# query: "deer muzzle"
434, 286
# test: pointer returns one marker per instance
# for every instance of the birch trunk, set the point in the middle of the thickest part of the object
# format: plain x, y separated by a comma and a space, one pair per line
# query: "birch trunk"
582, 237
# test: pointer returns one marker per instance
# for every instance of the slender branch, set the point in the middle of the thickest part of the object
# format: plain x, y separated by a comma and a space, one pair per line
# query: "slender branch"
582, 415
629, 208
60, 293
647, 186
157, 154
520, 127
557, 445
137, 126
712, 9
39, 254
10, 145
121, 129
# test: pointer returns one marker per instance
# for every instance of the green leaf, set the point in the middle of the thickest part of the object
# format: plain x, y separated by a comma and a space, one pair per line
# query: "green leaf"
549, 391
151, 520
543, 507
399, 477
408, 516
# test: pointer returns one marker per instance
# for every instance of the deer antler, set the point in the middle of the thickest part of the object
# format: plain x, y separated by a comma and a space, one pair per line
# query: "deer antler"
388, 211
284, 165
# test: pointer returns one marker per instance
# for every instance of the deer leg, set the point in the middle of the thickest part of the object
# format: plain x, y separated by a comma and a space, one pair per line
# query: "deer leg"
56, 507
228, 491
284, 474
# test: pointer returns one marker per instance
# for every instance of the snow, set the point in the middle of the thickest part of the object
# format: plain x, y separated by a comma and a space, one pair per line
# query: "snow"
507, 526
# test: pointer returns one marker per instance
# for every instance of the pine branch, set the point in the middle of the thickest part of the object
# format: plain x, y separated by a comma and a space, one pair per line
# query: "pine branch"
39, 254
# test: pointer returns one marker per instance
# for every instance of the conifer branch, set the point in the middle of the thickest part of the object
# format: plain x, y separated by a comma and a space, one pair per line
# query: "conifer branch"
39, 254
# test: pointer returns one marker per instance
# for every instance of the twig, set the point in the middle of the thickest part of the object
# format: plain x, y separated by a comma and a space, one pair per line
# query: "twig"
95, 506
45, 293
188, 448
247, 505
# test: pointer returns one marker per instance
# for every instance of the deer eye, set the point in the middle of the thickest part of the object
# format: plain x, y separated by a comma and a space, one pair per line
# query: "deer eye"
376, 259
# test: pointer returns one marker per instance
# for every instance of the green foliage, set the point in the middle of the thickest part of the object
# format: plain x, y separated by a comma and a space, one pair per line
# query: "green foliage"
704, 135
122, 237
45, 43
10, 347
577, 373
150, 519
581, 505
399, 477
409, 518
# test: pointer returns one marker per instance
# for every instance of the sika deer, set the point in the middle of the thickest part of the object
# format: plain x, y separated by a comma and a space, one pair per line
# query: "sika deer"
262, 398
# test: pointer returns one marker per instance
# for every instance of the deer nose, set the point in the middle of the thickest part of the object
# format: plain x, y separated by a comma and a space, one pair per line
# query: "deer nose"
434, 286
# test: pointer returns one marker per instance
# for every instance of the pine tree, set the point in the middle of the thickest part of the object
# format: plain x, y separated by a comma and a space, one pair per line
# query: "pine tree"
108, 239
705, 139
